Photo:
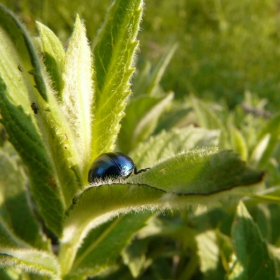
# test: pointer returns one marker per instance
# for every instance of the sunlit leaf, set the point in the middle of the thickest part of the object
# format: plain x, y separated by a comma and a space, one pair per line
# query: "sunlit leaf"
104, 244
113, 57
77, 95
167, 144
54, 56
54, 128
175, 182
29, 260
209, 255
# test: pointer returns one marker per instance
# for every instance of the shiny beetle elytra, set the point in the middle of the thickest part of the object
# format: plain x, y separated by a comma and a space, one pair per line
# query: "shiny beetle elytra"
112, 165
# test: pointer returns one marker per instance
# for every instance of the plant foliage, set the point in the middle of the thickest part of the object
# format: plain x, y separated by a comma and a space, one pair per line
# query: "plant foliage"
62, 108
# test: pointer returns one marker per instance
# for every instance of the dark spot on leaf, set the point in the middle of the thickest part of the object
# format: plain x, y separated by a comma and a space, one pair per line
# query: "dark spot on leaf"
34, 107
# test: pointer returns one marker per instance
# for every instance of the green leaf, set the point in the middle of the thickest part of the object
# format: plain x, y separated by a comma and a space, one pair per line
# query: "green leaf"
54, 56
209, 255
8, 238
25, 50
78, 95
30, 260
199, 172
11, 72
34, 155
270, 195
238, 143
113, 58
207, 118
148, 82
167, 144
275, 253
141, 118
134, 256
140, 78
175, 182
237, 272
251, 250
159, 70
5, 275
176, 118
225, 250
16, 208
55, 129
104, 244
268, 139
10, 243
97, 205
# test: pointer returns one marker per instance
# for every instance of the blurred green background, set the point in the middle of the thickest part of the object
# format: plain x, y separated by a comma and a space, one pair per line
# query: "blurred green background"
225, 47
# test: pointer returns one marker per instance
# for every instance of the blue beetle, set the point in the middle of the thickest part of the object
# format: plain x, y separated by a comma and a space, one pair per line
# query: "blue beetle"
112, 165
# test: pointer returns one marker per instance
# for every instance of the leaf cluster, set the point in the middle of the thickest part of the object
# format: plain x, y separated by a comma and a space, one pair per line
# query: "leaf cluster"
60, 109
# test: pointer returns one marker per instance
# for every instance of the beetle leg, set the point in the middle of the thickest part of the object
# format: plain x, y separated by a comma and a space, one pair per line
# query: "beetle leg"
136, 171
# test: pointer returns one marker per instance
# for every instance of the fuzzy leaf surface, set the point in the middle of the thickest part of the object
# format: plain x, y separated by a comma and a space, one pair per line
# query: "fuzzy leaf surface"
24, 49
30, 260
113, 58
78, 94
34, 155
199, 172
54, 128
54, 56
163, 145
168, 144
175, 182
104, 244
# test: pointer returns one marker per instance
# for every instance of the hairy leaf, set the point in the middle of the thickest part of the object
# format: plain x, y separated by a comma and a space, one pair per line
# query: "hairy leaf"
55, 129
78, 95
34, 155
30, 260
199, 172
175, 182
103, 245
54, 56
167, 144
113, 57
